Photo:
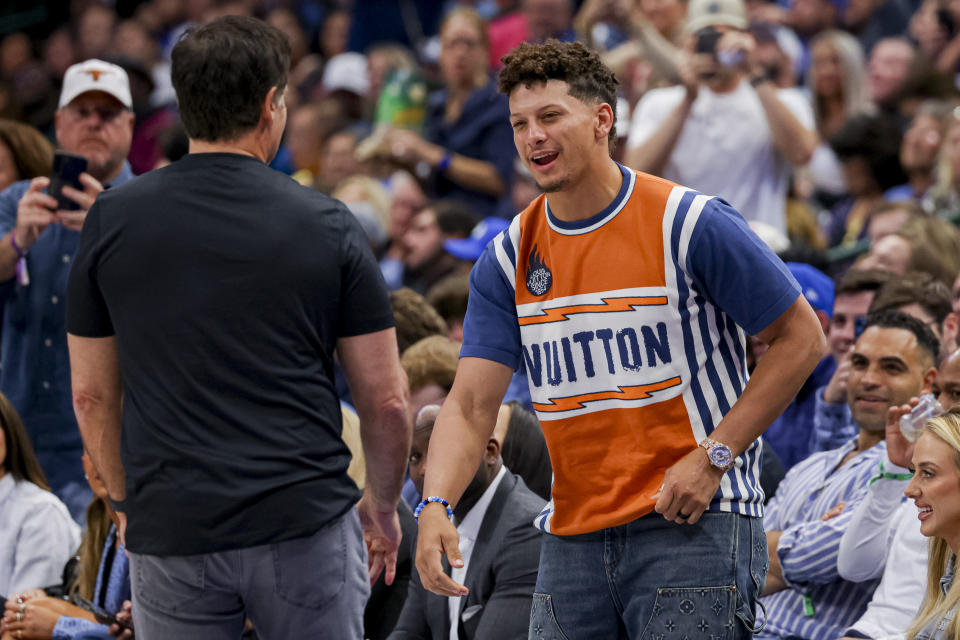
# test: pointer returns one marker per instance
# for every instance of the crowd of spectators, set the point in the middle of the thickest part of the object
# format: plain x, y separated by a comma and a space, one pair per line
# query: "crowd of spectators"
834, 127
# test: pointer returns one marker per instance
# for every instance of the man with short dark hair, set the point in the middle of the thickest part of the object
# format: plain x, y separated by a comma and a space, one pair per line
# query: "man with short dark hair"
624, 295
217, 291
39, 239
501, 549
893, 360
728, 128
916, 294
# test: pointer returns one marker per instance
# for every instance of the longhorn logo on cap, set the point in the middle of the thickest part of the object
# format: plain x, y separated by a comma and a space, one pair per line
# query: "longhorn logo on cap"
96, 73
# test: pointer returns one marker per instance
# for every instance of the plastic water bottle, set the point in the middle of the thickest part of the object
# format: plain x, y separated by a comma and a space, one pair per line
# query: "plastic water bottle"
911, 424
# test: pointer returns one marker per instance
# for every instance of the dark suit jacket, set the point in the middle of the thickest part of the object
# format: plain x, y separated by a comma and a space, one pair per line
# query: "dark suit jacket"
501, 576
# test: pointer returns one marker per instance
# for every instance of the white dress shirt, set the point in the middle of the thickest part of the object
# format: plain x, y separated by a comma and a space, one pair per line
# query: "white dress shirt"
37, 537
469, 529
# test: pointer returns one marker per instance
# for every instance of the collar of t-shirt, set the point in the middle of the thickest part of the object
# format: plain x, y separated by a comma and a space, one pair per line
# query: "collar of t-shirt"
469, 529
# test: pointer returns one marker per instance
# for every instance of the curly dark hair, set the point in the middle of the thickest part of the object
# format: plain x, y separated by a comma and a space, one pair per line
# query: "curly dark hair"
588, 78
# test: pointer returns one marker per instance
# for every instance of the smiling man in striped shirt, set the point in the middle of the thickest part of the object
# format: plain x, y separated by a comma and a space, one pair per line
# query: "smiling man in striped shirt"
892, 361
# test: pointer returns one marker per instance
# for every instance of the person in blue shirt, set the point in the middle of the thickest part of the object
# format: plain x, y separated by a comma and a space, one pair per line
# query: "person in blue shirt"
37, 244
790, 434
892, 361
467, 128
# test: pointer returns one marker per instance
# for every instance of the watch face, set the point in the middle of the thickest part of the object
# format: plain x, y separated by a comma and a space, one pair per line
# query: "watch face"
721, 456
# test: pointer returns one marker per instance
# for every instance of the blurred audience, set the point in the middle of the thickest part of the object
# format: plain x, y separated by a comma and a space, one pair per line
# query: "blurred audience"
39, 238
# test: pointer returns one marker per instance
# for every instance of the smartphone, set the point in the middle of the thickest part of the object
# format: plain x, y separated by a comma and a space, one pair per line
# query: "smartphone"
707, 39
67, 168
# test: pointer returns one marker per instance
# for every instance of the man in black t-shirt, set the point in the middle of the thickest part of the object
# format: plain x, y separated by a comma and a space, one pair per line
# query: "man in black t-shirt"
211, 295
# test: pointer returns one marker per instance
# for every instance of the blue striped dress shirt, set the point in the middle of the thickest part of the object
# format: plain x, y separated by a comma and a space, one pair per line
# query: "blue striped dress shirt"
809, 546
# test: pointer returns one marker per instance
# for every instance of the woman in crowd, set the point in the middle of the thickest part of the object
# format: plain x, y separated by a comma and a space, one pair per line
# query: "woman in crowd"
836, 82
37, 535
101, 580
466, 149
935, 488
24, 153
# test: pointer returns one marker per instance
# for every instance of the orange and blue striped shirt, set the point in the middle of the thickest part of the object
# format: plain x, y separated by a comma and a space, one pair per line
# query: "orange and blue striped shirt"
630, 325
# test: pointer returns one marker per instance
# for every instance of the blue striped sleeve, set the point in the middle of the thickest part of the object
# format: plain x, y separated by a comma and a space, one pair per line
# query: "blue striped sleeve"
490, 329
736, 271
808, 551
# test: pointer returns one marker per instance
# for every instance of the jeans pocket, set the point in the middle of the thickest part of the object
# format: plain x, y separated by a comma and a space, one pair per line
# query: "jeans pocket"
695, 612
310, 572
168, 583
543, 622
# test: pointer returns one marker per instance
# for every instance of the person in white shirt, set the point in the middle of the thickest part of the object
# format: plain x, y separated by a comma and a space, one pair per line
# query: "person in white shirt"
727, 129
37, 535
500, 549
883, 537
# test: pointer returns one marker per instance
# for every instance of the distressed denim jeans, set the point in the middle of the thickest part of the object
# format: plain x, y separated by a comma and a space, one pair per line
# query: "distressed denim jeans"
652, 579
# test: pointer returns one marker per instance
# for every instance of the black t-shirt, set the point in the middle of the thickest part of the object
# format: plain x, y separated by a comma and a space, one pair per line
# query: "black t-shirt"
227, 286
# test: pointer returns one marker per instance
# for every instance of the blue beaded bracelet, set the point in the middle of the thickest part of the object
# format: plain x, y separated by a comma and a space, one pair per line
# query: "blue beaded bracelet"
426, 501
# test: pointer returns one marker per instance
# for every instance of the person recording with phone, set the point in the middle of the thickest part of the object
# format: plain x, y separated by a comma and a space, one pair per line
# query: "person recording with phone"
685, 133
39, 234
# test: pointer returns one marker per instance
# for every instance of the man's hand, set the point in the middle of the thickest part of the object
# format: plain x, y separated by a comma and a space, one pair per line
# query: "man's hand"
836, 390
35, 212
774, 581
73, 220
688, 488
836, 510
738, 44
381, 534
899, 449
438, 537
123, 627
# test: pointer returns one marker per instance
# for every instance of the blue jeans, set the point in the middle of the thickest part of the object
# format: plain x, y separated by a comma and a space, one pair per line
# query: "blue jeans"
312, 587
652, 579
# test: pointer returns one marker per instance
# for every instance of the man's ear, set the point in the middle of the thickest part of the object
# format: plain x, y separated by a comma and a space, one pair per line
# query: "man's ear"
604, 121
928, 378
270, 106
493, 450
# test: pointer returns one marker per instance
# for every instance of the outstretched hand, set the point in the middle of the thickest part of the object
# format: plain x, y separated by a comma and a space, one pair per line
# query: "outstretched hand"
381, 534
438, 537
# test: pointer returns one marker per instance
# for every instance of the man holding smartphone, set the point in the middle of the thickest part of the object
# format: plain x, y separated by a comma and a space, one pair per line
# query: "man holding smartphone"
38, 239
705, 132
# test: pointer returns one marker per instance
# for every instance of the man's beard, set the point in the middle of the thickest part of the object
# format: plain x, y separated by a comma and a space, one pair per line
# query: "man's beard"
553, 187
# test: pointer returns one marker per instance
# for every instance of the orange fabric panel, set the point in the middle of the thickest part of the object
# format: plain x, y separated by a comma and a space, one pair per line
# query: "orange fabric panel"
609, 466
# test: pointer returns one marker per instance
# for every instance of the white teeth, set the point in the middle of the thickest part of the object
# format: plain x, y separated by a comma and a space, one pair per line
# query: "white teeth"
925, 509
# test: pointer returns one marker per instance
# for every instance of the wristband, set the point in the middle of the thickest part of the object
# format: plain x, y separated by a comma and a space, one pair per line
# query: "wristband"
445, 161
120, 506
426, 501
23, 276
889, 476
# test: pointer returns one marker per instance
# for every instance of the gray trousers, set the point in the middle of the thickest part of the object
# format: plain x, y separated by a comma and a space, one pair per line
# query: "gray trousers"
313, 587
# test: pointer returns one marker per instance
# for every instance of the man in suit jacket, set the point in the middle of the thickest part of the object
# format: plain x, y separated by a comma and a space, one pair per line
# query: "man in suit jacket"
501, 553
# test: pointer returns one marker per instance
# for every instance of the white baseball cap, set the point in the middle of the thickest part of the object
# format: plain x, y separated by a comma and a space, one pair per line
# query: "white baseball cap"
348, 72
705, 13
95, 75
